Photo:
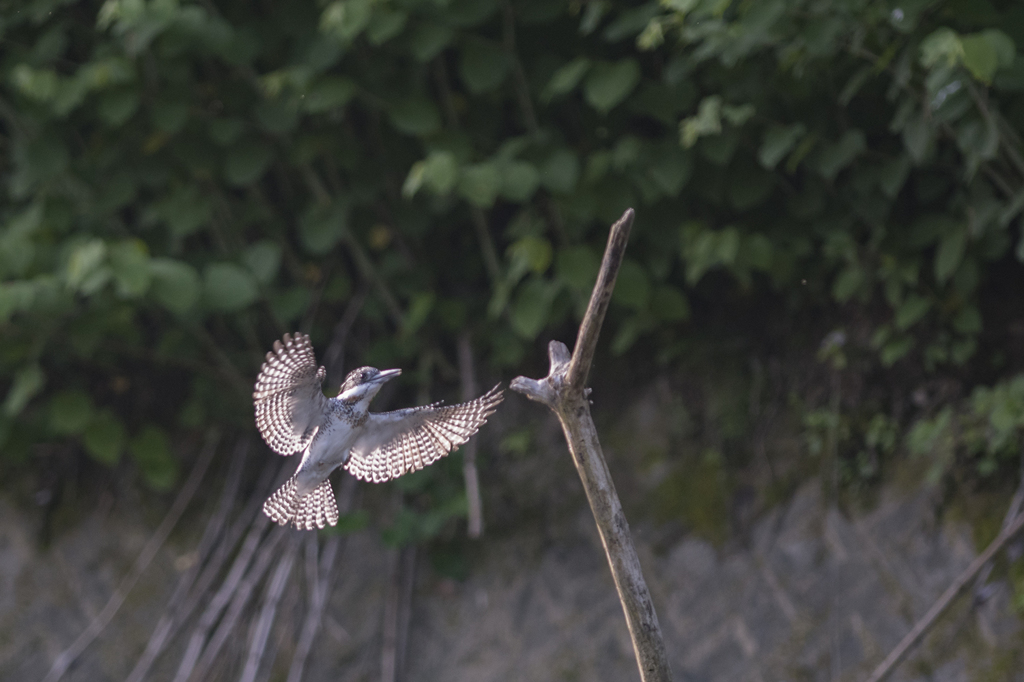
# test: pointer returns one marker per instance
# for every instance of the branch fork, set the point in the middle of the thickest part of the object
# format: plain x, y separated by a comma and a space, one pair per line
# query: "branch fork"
564, 391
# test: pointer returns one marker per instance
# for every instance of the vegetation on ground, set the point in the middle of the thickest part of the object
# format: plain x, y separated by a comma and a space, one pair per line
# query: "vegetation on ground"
186, 181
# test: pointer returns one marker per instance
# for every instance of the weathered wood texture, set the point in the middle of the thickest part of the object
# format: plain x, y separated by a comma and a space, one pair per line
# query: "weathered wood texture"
564, 391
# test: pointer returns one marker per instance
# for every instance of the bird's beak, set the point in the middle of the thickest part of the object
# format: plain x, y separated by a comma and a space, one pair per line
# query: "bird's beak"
388, 374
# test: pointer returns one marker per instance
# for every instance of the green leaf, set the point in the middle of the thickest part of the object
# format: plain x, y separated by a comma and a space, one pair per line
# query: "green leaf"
910, 312
519, 181
415, 116
738, 115
670, 169
483, 66
323, 226
893, 175
779, 141
848, 283
949, 254
70, 412
530, 307
28, 381
151, 450
918, 135
669, 304
115, 107
175, 284
428, 39
530, 254
627, 334
225, 131
129, 261
227, 287
577, 266
104, 438
385, 24
328, 93
833, 158
247, 161
560, 172
757, 252
86, 270
632, 286
895, 350
291, 304
440, 172
608, 84
346, 19
169, 116
277, 116
185, 210
566, 78
263, 260
942, 45
749, 186
968, 321
984, 53
419, 309
480, 184
708, 121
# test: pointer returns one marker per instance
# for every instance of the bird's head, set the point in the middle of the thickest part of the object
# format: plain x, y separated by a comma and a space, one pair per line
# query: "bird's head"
362, 384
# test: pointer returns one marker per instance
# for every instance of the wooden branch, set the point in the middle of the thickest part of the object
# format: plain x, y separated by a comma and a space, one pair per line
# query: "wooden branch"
564, 392
922, 626
586, 339
68, 656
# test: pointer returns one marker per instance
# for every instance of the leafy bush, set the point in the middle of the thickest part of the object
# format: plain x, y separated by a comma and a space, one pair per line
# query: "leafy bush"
187, 181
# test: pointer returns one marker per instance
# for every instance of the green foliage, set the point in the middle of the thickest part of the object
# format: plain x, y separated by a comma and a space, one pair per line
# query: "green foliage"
186, 181
985, 431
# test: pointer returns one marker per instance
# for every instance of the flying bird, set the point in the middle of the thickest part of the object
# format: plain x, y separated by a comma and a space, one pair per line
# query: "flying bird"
293, 415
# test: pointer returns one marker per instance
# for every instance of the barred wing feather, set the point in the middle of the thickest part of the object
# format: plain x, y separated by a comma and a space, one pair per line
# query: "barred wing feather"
398, 442
290, 405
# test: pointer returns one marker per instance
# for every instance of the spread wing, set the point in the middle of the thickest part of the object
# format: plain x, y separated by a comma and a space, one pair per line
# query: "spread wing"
395, 443
290, 406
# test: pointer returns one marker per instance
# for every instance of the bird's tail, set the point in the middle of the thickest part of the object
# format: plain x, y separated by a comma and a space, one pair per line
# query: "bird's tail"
305, 512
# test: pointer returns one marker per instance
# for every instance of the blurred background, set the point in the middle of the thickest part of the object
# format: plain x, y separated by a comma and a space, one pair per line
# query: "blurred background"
808, 386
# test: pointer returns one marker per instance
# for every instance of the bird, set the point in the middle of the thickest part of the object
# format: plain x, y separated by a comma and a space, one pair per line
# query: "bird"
293, 415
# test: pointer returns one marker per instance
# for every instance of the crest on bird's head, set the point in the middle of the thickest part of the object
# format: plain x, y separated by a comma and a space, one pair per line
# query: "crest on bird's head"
356, 377
363, 383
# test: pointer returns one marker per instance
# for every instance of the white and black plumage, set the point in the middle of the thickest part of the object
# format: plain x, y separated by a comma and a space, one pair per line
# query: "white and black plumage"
293, 415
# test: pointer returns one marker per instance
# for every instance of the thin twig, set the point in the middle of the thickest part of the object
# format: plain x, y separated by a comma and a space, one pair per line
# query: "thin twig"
389, 645
470, 388
334, 356
1012, 510
886, 667
590, 328
269, 611
221, 599
408, 565
363, 263
477, 216
321, 586
522, 86
369, 271
564, 391
68, 656
177, 611
239, 601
